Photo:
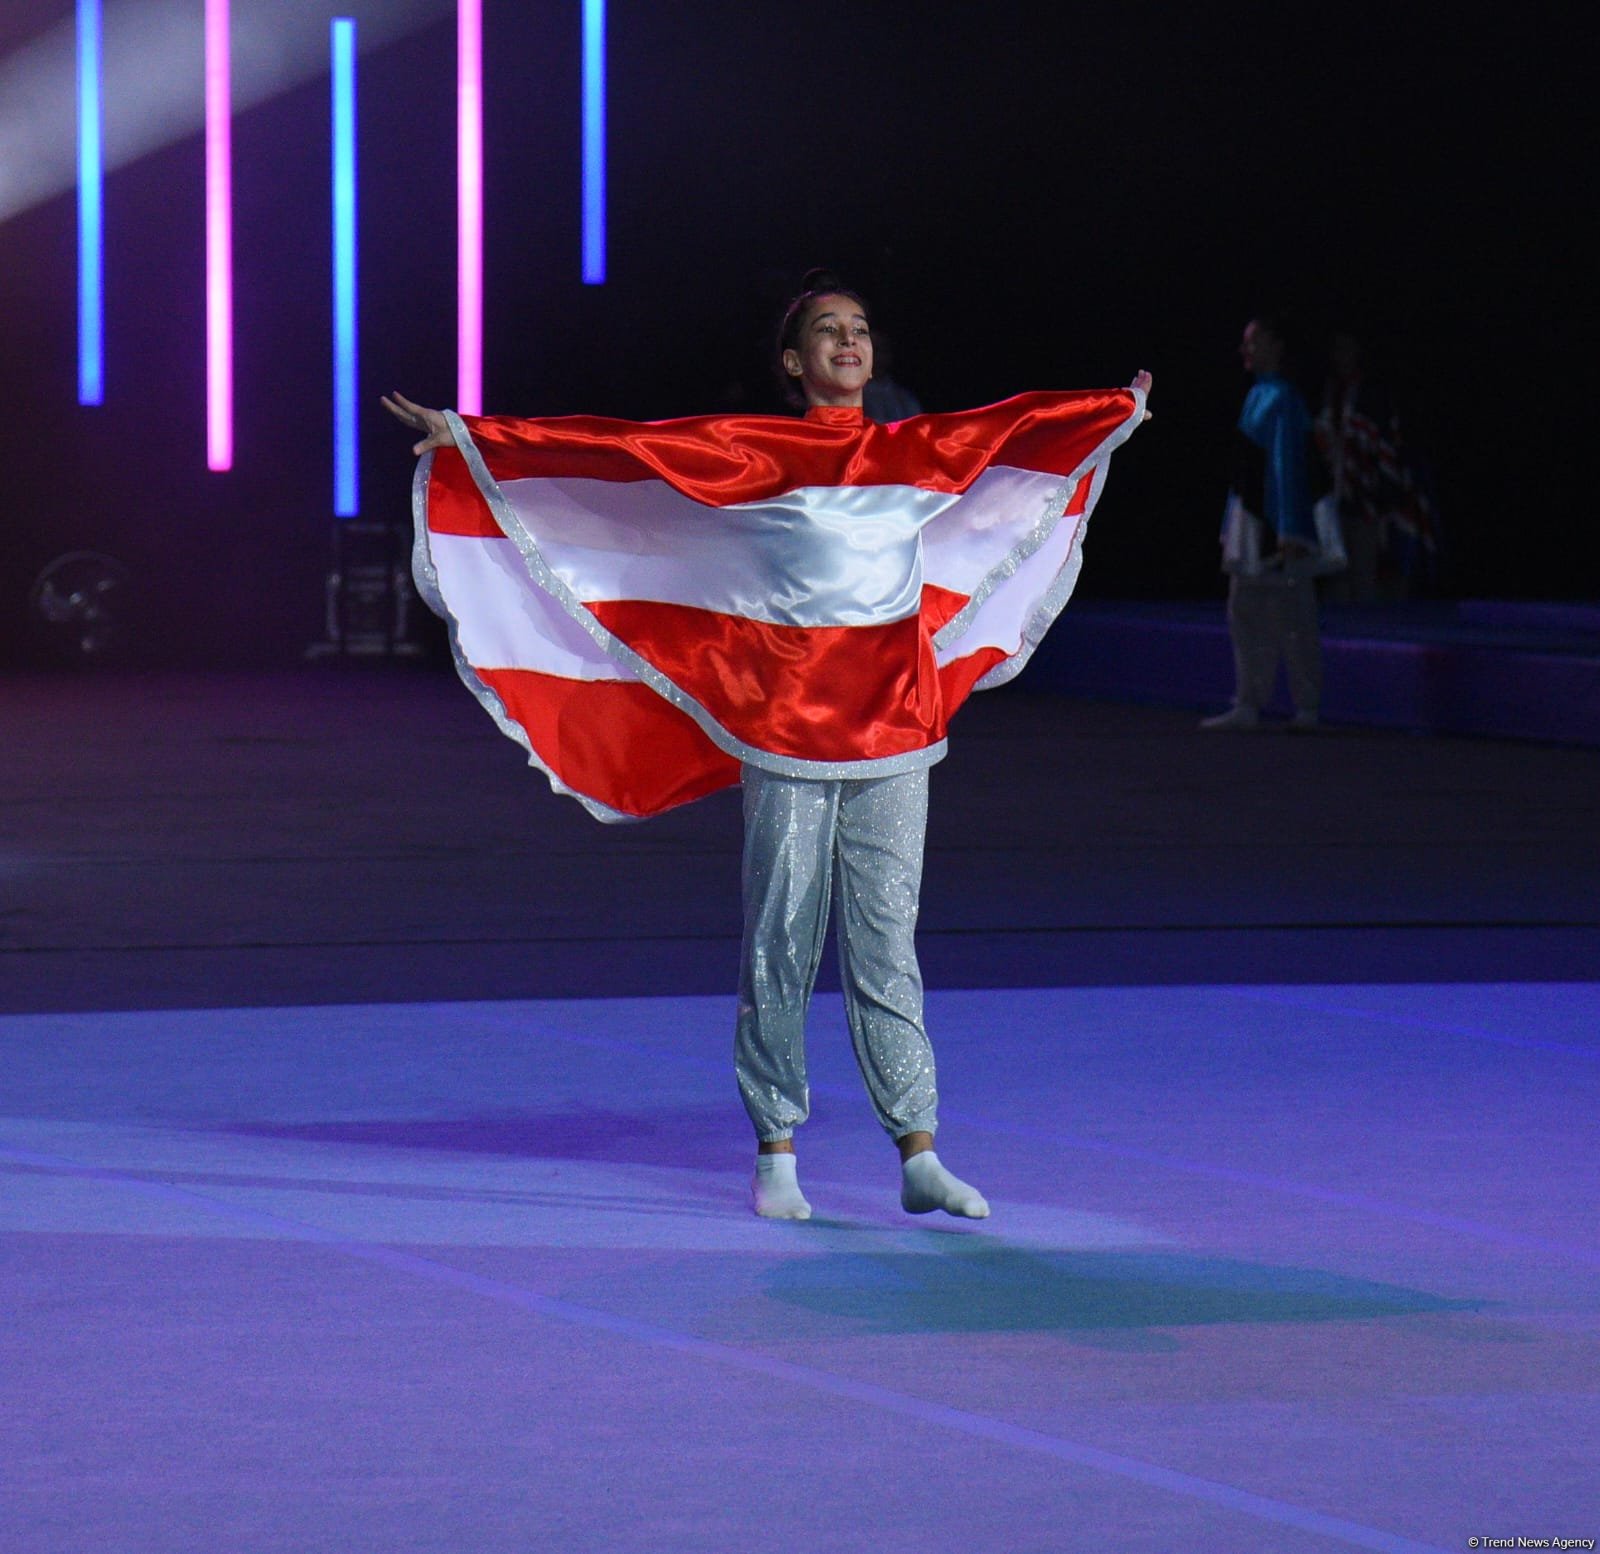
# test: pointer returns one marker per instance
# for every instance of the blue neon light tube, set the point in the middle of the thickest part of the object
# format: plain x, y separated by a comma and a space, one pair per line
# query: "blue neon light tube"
346, 487
594, 142
91, 193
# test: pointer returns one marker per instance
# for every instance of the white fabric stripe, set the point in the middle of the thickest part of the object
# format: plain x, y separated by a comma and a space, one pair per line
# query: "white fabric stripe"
505, 621
815, 556
1002, 619
999, 511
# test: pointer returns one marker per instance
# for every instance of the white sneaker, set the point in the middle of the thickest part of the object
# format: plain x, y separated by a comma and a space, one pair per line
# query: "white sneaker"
1237, 717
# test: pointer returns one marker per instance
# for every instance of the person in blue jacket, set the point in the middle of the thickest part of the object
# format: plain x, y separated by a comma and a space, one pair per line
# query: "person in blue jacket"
1269, 542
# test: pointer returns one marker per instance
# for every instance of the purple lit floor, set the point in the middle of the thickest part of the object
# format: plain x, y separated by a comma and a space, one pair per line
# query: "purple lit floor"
355, 1195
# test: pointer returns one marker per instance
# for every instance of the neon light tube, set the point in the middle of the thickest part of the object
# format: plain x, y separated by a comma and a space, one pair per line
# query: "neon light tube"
346, 489
219, 241
91, 205
469, 207
594, 142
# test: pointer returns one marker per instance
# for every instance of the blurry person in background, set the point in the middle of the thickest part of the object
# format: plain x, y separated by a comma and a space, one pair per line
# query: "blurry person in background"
1385, 514
1269, 541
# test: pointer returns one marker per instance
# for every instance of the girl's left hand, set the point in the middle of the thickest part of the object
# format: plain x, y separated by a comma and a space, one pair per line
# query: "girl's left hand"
420, 419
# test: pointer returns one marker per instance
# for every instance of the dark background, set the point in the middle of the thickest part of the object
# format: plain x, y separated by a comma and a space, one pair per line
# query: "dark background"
1032, 198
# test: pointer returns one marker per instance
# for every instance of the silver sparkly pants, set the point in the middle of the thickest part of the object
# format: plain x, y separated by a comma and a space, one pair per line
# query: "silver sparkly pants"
859, 842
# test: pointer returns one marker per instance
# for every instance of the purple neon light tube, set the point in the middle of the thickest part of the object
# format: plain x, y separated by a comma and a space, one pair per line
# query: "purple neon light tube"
469, 207
219, 241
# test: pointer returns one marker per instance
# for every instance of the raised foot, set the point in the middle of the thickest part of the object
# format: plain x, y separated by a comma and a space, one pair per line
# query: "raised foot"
925, 1185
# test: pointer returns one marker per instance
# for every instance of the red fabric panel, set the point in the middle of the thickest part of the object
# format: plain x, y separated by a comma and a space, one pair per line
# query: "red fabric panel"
957, 678
719, 460
1078, 503
590, 734
823, 693
454, 505
940, 606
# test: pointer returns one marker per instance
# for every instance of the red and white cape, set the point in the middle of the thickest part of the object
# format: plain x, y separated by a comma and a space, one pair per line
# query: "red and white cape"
644, 606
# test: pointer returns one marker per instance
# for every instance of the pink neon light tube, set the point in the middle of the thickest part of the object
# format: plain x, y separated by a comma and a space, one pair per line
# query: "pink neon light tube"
219, 241
469, 207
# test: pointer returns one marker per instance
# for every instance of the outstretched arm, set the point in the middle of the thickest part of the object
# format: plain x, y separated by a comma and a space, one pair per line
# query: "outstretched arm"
421, 419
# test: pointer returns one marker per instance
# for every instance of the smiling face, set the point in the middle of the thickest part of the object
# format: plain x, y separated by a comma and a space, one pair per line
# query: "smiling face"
832, 356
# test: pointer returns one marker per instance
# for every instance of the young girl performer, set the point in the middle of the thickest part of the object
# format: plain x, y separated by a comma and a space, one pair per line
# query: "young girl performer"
655, 611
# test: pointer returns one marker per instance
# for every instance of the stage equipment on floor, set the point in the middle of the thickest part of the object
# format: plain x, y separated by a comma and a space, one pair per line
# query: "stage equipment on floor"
370, 603
77, 608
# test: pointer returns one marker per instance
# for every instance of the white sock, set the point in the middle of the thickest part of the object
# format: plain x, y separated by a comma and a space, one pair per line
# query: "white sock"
775, 1189
925, 1185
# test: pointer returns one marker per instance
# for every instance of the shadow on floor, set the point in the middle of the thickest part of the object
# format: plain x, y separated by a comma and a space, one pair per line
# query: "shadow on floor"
980, 1287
